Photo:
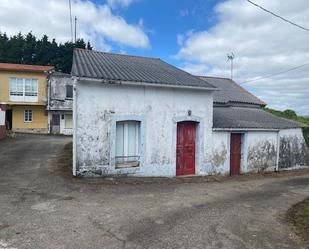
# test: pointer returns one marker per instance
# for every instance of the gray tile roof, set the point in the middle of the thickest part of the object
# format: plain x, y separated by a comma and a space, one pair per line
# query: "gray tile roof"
253, 118
118, 67
230, 92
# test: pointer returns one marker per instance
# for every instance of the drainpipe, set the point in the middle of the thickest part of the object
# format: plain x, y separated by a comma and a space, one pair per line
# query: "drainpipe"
48, 102
278, 148
74, 124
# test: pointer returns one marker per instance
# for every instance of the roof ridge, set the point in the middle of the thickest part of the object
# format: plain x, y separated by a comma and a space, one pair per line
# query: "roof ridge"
112, 53
217, 77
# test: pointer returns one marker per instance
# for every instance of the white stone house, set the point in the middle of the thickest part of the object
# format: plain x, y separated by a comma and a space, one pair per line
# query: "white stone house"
140, 116
59, 104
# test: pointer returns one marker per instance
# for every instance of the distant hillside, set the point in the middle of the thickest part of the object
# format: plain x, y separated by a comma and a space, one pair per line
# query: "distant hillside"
290, 114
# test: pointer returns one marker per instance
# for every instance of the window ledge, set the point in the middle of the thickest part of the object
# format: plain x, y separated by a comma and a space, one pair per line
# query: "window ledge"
127, 165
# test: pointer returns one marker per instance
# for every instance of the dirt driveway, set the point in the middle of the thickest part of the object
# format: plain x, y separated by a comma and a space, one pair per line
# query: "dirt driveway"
41, 207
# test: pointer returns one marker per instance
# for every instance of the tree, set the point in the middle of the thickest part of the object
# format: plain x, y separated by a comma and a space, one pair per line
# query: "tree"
27, 49
290, 113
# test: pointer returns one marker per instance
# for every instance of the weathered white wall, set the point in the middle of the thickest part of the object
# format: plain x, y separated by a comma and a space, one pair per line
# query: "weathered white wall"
57, 93
220, 157
258, 151
100, 106
293, 149
261, 151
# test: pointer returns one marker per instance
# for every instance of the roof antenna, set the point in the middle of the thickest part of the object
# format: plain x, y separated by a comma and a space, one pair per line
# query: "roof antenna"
230, 57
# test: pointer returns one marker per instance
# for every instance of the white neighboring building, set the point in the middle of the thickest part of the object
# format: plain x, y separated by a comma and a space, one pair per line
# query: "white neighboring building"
140, 116
248, 139
60, 101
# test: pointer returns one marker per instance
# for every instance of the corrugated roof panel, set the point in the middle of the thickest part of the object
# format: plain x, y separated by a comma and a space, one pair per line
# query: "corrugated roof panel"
230, 91
253, 118
101, 65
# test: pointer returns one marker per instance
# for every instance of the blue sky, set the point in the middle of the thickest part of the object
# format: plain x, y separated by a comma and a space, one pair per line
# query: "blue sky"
163, 21
194, 35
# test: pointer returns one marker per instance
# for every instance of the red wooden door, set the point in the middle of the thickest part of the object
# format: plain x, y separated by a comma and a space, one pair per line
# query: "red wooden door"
185, 149
235, 156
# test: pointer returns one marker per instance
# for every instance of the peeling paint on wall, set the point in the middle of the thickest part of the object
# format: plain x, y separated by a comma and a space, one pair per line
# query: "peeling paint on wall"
99, 106
262, 156
218, 159
293, 152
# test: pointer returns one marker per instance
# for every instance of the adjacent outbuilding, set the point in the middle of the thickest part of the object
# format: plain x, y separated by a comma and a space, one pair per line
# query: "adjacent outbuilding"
247, 138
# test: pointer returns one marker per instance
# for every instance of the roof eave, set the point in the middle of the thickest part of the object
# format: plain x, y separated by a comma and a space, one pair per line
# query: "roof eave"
246, 129
136, 83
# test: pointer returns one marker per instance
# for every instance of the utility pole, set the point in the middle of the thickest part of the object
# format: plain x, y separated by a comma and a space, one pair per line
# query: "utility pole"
71, 23
75, 28
230, 57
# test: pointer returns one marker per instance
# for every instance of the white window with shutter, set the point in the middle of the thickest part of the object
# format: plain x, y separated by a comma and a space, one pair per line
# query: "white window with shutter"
127, 143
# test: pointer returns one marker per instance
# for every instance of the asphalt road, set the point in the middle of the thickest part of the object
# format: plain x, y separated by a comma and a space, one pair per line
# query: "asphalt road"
42, 207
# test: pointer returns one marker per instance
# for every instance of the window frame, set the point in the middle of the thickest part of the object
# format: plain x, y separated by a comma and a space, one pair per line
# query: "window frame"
66, 92
27, 116
21, 95
142, 128
126, 143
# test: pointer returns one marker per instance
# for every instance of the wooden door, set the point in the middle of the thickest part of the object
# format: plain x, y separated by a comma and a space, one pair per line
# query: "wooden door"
185, 149
235, 157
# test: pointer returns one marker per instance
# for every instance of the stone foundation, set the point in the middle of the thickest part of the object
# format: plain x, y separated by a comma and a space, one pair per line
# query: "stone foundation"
32, 131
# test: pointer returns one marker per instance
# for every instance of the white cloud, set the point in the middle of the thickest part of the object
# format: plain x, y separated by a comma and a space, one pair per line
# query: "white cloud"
262, 44
120, 3
96, 23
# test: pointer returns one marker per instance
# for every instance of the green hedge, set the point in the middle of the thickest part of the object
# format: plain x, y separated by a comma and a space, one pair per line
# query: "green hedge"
290, 114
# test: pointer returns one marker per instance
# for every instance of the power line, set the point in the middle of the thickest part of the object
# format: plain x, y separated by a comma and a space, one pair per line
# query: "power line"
280, 17
275, 74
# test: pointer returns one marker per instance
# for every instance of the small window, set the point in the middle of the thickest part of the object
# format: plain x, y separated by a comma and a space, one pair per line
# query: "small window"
127, 143
69, 91
28, 116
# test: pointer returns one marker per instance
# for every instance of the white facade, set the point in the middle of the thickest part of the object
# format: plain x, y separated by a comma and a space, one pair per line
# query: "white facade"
65, 125
158, 109
261, 150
